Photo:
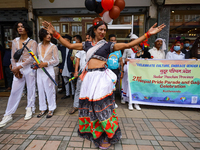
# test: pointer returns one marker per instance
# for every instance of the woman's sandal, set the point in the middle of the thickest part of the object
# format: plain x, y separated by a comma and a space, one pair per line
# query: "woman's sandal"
50, 114
42, 113
73, 110
105, 142
105, 146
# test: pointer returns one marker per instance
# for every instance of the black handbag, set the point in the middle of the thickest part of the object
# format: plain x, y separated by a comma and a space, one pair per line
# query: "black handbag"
19, 52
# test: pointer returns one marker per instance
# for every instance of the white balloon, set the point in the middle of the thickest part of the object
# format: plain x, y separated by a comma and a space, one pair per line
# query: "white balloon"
106, 17
110, 23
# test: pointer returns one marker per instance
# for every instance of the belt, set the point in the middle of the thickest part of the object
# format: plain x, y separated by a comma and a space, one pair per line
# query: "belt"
96, 69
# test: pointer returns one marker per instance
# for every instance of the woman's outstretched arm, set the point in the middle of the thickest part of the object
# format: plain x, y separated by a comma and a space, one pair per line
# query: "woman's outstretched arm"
49, 27
153, 30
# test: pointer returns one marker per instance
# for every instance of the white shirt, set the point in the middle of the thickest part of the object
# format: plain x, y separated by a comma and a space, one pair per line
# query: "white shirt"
133, 55
50, 55
65, 71
174, 55
157, 54
127, 54
82, 56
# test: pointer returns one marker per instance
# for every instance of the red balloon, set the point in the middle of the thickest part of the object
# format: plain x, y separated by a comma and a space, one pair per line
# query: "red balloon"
101, 14
107, 4
120, 4
96, 20
114, 12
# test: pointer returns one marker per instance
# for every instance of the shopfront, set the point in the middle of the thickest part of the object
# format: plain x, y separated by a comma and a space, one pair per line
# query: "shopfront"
72, 19
10, 12
184, 24
182, 20
121, 27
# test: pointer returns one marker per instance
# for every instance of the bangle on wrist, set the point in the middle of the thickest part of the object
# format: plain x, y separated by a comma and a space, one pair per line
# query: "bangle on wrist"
56, 35
147, 35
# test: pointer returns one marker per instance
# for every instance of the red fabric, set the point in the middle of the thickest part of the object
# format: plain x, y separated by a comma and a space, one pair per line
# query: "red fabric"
134, 51
144, 43
1, 68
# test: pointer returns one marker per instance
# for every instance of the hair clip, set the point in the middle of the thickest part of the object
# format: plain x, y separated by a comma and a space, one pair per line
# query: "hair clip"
96, 23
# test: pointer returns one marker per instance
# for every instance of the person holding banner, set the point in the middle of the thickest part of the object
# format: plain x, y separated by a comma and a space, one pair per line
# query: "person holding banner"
128, 53
23, 73
186, 49
48, 56
158, 51
176, 54
115, 63
98, 120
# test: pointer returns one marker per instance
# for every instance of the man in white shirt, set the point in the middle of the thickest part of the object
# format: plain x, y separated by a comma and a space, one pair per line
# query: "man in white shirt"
67, 69
80, 61
157, 52
176, 54
125, 88
23, 74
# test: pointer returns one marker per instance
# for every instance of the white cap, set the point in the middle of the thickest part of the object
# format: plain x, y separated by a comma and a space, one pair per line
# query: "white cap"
133, 36
163, 44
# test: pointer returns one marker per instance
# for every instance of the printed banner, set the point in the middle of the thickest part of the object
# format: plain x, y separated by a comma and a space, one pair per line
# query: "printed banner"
164, 82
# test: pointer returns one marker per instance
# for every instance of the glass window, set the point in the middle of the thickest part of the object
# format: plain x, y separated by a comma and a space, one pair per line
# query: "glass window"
88, 25
65, 28
74, 25
185, 25
187, 18
178, 18
127, 19
57, 28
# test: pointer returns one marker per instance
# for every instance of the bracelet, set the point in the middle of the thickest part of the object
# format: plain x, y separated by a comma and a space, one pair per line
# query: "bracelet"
56, 35
147, 35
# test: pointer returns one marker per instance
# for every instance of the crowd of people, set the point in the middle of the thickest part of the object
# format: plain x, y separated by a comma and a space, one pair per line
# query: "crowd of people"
96, 64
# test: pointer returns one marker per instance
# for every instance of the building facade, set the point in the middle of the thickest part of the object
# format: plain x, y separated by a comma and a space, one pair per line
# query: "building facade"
71, 17
182, 18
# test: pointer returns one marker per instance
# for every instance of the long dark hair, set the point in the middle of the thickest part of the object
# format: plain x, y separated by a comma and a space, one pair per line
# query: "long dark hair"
26, 26
194, 49
95, 26
42, 34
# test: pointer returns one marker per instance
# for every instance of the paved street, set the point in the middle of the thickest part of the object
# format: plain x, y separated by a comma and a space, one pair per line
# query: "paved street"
159, 128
